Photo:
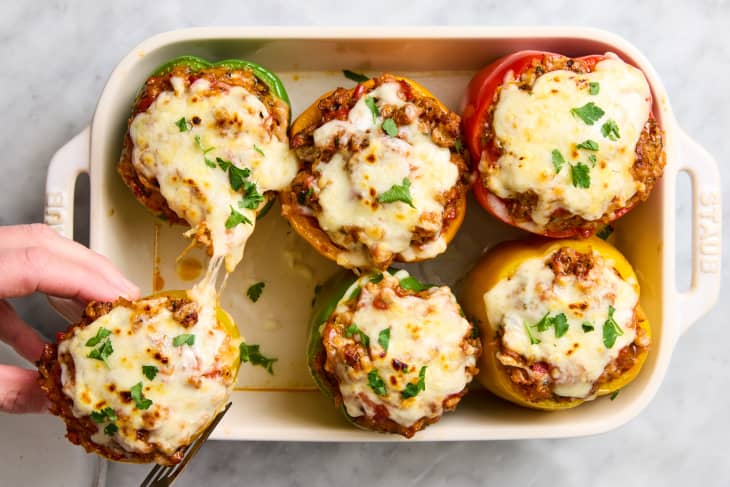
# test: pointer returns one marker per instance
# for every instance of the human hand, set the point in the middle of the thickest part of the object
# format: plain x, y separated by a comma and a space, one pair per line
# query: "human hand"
34, 258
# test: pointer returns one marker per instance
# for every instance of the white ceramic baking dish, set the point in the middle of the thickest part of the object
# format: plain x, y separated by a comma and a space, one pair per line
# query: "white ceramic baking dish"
309, 60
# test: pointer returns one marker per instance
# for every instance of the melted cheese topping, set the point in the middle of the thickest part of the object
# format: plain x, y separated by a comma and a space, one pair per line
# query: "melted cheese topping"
426, 332
235, 123
534, 290
192, 385
529, 125
349, 184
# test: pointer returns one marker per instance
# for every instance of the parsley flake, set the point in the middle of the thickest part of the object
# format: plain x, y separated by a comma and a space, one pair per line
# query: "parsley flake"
184, 339
560, 323
594, 87
236, 218
389, 127
615, 394
397, 192
258, 149
384, 338
376, 382
611, 330
106, 414
101, 334
355, 293
251, 353
410, 283
370, 102
207, 161
558, 160
457, 145
590, 113
251, 196
412, 389
150, 371
140, 401
254, 291
103, 352
605, 232
353, 329
588, 145
236, 175
587, 327
356, 77
533, 340
182, 124
580, 174
609, 129
110, 429
376, 278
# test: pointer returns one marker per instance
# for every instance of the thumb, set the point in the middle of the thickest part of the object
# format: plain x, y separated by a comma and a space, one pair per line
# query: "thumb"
20, 391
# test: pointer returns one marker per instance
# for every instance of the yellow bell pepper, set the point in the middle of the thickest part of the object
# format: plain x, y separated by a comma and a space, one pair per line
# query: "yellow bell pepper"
502, 262
307, 226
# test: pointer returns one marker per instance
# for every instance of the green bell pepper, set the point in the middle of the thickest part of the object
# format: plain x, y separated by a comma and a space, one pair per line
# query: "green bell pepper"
197, 64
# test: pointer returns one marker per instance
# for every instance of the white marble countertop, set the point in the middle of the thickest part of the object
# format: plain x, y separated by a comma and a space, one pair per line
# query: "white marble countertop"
56, 57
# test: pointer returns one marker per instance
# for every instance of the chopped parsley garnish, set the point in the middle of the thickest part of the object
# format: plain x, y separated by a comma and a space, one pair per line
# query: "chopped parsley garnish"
594, 87
101, 334
356, 77
412, 389
398, 192
208, 162
258, 149
588, 145
236, 218
592, 159
587, 327
254, 291
457, 145
389, 127
106, 414
376, 278
317, 289
104, 349
251, 353
376, 382
533, 340
474, 331
580, 174
150, 371
590, 113
353, 329
605, 232
558, 160
384, 338
184, 339
370, 102
558, 322
110, 429
251, 196
140, 401
182, 124
609, 129
611, 330
615, 394
410, 283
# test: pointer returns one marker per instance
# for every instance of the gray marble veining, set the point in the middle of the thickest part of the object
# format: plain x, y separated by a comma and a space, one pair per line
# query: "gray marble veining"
57, 55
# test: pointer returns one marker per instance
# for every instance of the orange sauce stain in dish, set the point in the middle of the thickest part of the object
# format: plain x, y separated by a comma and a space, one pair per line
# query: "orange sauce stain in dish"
188, 268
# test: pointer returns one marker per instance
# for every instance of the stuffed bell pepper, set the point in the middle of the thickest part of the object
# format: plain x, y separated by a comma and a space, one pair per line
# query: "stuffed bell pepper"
394, 354
382, 176
562, 146
560, 321
138, 381
207, 146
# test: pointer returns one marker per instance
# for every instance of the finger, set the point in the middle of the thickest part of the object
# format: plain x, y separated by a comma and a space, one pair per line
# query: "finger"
18, 334
20, 392
31, 269
39, 235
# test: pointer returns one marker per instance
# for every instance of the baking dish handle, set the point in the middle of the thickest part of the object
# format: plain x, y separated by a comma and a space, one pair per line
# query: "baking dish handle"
704, 173
71, 160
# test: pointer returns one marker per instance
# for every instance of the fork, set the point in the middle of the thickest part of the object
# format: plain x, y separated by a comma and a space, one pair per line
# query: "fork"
164, 476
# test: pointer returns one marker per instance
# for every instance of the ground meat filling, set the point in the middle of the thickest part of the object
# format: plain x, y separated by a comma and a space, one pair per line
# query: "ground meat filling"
221, 78
442, 125
647, 169
535, 380
81, 429
325, 363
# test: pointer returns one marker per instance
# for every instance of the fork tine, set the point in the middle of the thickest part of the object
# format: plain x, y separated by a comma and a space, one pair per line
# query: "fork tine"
163, 476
